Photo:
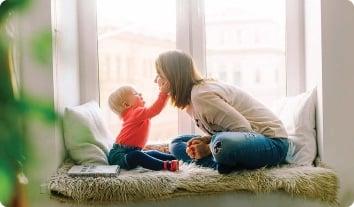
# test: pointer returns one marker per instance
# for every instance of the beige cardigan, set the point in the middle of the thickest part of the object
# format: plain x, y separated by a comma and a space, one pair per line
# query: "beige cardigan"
218, 107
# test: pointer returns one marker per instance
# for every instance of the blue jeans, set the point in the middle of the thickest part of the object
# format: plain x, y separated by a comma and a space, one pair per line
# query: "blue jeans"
236, 151
131, 157
178, 149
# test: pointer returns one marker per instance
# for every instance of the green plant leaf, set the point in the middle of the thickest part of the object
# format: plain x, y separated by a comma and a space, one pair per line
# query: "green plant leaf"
37, 107
6, 92
7, 180
42, 47
8, 6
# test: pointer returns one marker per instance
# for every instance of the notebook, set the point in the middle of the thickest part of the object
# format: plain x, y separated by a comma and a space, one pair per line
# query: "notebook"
94, 170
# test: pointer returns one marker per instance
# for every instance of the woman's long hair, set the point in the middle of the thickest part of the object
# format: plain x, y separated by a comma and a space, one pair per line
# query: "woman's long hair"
179, 69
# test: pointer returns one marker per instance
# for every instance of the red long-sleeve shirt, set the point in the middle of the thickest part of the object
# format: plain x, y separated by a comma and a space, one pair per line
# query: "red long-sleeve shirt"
136, 123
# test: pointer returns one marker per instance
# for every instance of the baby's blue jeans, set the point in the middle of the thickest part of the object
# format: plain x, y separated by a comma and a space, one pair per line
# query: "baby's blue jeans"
131, 157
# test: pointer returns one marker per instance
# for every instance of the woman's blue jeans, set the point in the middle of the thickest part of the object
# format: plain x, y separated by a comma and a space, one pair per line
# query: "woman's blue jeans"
236, 151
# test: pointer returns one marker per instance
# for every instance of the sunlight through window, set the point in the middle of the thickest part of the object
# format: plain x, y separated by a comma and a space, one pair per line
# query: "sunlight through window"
245, 45
129, 39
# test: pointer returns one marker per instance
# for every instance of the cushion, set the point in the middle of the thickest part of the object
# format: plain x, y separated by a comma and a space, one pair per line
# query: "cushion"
86, 137
298, 115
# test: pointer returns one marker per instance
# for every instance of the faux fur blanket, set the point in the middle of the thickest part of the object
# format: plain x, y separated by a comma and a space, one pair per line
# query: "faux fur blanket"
317, 183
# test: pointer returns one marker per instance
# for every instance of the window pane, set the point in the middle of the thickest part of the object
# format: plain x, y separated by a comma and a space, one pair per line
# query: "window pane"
130, 36
245, 41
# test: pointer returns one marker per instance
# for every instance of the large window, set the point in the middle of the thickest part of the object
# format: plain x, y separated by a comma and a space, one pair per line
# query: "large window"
245, 45
130, 36
241, 42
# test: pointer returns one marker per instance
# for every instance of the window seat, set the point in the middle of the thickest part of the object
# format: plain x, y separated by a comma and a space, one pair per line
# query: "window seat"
306, 182
302, 183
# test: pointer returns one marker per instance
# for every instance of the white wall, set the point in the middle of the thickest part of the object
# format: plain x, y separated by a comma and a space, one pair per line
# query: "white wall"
56, 82
338, 94
37, 79
331, 65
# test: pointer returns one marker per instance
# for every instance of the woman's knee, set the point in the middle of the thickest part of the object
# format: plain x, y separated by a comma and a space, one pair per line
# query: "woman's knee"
224, 158
227, 145
221, 152
227, 140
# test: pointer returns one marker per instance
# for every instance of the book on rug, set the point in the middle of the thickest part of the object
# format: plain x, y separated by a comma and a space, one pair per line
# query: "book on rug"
94, 170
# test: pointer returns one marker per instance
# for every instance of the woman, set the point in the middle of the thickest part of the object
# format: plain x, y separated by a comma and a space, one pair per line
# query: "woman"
242, 132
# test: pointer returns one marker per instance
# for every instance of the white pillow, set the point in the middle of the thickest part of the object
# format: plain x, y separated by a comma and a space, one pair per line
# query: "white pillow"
87, 139
298, 116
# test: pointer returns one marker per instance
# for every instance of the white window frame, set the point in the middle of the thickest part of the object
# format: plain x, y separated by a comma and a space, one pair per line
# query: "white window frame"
190, 38
295, 47
88, 50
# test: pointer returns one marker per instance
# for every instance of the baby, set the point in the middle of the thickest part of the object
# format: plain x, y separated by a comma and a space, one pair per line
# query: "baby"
127, 151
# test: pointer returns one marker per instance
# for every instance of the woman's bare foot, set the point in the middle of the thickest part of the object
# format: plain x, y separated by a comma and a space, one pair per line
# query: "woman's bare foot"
198, 148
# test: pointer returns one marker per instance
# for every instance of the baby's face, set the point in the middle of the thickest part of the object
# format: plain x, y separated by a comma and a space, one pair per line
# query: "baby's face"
135, 99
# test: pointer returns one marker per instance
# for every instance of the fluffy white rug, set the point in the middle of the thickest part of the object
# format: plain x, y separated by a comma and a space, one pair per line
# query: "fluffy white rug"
140, 184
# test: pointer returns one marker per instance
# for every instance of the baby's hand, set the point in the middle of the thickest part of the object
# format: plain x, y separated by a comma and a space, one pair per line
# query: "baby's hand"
164, 86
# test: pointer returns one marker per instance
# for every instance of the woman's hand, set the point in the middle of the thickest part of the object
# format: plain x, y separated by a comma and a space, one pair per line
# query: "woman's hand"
198, 147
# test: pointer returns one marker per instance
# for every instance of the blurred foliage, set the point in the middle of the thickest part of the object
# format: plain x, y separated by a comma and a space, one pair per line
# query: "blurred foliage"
15, 110
9, 6
42, 47
7, 182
